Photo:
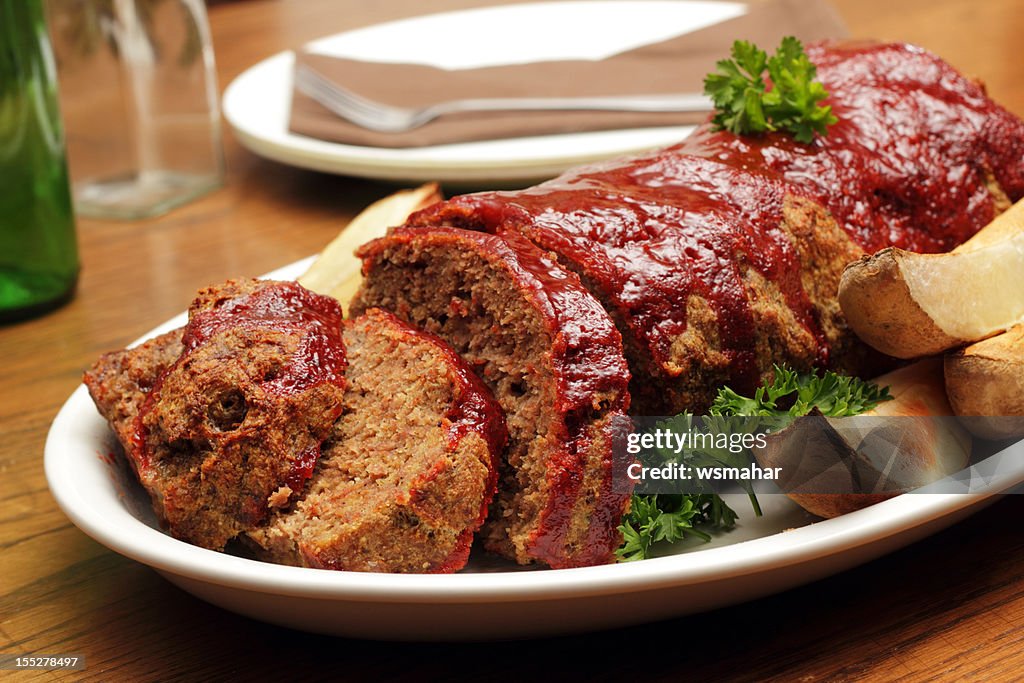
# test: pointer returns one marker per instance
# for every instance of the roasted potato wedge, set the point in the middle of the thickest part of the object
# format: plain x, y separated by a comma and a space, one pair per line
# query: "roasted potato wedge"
985, 384
910, 305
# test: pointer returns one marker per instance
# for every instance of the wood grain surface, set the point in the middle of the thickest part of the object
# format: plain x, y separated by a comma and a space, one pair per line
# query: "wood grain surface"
948, 608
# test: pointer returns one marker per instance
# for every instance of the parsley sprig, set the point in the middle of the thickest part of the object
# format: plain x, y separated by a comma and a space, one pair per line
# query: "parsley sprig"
745, 105
669, 518
792, 394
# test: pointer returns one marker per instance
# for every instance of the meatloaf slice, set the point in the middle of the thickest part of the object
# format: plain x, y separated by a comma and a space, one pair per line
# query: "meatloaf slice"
554, 360
232, 428
410, 467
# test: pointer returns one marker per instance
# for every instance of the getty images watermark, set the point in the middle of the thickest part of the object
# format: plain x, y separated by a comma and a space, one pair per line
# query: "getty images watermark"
666, 441
809, 455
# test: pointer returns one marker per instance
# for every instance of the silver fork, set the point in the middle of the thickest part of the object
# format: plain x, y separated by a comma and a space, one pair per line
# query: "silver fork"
387, 118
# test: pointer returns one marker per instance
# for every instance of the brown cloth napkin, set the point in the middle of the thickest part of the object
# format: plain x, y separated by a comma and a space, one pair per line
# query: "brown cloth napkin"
677, 65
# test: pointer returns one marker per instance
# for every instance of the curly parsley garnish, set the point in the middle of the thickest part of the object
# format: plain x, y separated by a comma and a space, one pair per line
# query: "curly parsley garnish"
668, 518
792, 394
746, 106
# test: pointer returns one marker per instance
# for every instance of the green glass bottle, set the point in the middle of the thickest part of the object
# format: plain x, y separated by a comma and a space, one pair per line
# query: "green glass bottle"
38, 253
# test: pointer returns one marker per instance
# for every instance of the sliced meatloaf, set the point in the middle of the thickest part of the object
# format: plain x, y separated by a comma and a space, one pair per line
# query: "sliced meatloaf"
410, 467
712, 273
218, 425
231, 429
721, 256
554, 361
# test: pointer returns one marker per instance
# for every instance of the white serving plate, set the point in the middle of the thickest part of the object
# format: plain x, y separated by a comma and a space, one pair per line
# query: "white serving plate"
493, 599
257, 103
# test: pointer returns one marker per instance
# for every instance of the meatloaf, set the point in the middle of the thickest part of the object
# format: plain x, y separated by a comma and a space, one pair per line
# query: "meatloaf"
231, 428
554, 360
405, 451
409, 469
721, 255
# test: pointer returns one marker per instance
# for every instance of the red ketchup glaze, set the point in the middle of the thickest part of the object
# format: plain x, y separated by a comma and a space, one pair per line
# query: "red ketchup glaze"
302, 469
587, 362
907, 165
283, 307
277, 306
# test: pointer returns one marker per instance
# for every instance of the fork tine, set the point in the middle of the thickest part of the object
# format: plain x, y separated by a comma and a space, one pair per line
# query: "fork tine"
344, 95
342, 102
308, 80
338, 93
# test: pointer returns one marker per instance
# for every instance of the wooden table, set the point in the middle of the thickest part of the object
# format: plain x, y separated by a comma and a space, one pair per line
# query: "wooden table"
949, 607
